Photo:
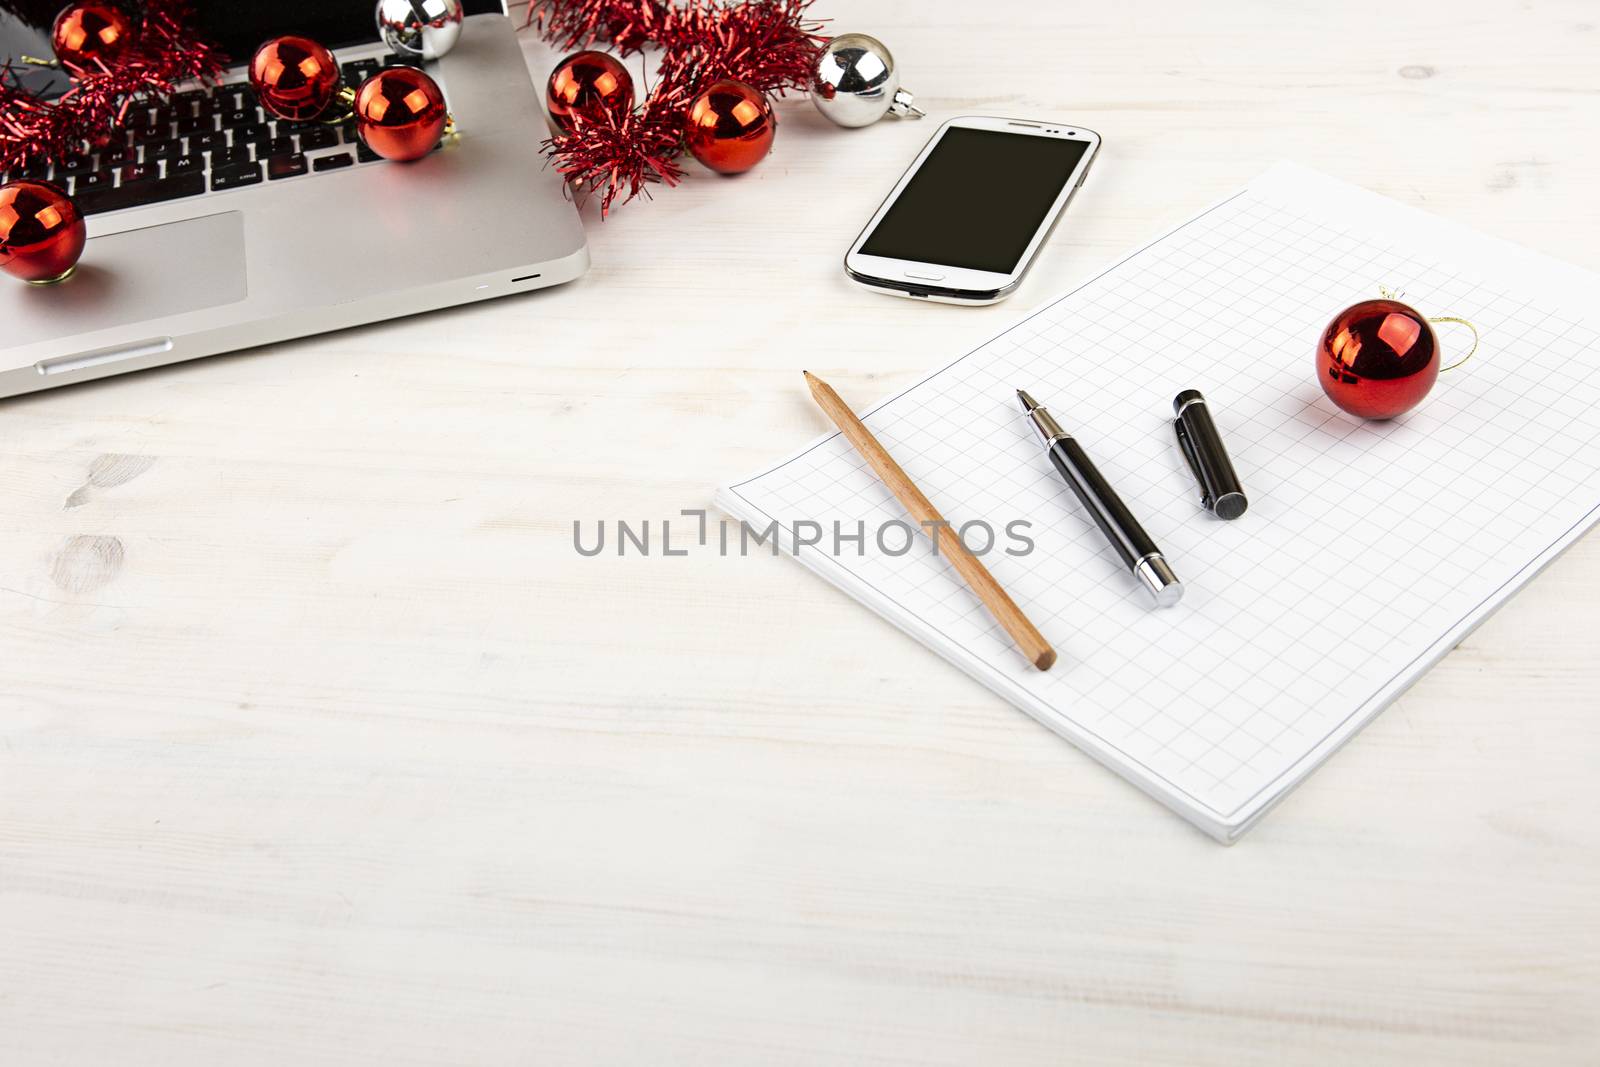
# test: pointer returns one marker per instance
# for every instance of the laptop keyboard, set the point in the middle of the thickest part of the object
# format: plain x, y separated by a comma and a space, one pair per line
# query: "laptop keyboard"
206, 140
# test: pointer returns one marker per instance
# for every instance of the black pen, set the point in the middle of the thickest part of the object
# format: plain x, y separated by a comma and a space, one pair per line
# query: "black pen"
1141, 555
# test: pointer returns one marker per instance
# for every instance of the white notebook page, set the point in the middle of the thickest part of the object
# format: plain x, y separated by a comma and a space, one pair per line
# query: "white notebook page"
1370, 548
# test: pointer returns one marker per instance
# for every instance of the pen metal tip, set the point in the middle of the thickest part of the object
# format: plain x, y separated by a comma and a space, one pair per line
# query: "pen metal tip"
1028, 403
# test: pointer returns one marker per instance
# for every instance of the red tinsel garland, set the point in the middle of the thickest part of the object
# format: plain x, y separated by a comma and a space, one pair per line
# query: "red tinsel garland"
769, 45
166, 53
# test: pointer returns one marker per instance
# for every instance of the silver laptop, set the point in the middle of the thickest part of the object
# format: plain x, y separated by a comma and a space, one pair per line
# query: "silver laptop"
214, 227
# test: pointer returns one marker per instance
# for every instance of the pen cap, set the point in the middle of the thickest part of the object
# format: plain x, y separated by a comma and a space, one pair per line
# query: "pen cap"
1220, 491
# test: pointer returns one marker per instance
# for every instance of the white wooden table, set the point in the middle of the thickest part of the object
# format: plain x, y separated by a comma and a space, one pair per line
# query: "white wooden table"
319, 744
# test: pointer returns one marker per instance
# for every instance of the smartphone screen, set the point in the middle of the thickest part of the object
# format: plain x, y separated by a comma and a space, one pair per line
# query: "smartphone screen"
977, 200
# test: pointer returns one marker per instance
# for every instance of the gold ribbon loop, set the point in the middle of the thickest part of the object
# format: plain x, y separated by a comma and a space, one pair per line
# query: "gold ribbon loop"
1473, 350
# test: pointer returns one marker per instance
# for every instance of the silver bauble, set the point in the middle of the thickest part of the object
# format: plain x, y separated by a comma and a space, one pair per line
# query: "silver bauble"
419, 29
856, 82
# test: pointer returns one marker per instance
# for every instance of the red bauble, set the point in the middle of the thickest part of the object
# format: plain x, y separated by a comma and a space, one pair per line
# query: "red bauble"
1378, 359
400, 113
588, 85
92, 33
295, 78
41, 232
730, 127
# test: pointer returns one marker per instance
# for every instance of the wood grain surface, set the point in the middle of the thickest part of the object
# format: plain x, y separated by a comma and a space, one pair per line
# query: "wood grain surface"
321, 744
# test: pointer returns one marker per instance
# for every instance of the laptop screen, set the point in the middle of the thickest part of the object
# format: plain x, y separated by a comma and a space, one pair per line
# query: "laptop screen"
237, 26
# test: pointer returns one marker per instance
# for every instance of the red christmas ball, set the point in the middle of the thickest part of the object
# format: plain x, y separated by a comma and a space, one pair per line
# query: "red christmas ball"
730, 127
589, 85
41, 232
295, 78
1378, 359
400, 113
92, 33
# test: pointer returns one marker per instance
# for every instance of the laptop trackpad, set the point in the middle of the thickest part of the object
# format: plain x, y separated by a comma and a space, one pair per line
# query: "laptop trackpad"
132, 277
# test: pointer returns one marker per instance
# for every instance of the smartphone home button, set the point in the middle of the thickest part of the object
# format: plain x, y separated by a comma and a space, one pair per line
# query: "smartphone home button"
925, 277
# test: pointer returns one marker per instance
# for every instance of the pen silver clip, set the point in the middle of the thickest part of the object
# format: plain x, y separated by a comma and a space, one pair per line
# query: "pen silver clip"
1186, 446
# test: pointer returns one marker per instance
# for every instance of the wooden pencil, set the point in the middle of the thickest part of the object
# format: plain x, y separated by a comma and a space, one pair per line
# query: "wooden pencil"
977, 576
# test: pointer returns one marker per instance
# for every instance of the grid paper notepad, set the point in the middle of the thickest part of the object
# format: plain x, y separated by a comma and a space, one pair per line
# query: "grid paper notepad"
1369, 550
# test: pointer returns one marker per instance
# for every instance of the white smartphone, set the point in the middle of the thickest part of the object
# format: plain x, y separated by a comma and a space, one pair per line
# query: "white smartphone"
964, 222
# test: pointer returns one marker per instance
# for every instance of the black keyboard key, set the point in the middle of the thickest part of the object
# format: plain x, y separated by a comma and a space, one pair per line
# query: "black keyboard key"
240, 116
194, 164
393, 60
253, 133
334, 162
162, 150
75, 165
277, 146
140, 193
359, 71
319, 137
236, 177
365, 154
152, 134
190, 97
191, 126
116, 154
286, 166
206, 142
230, 157
285, 128
140, 172
94, 179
